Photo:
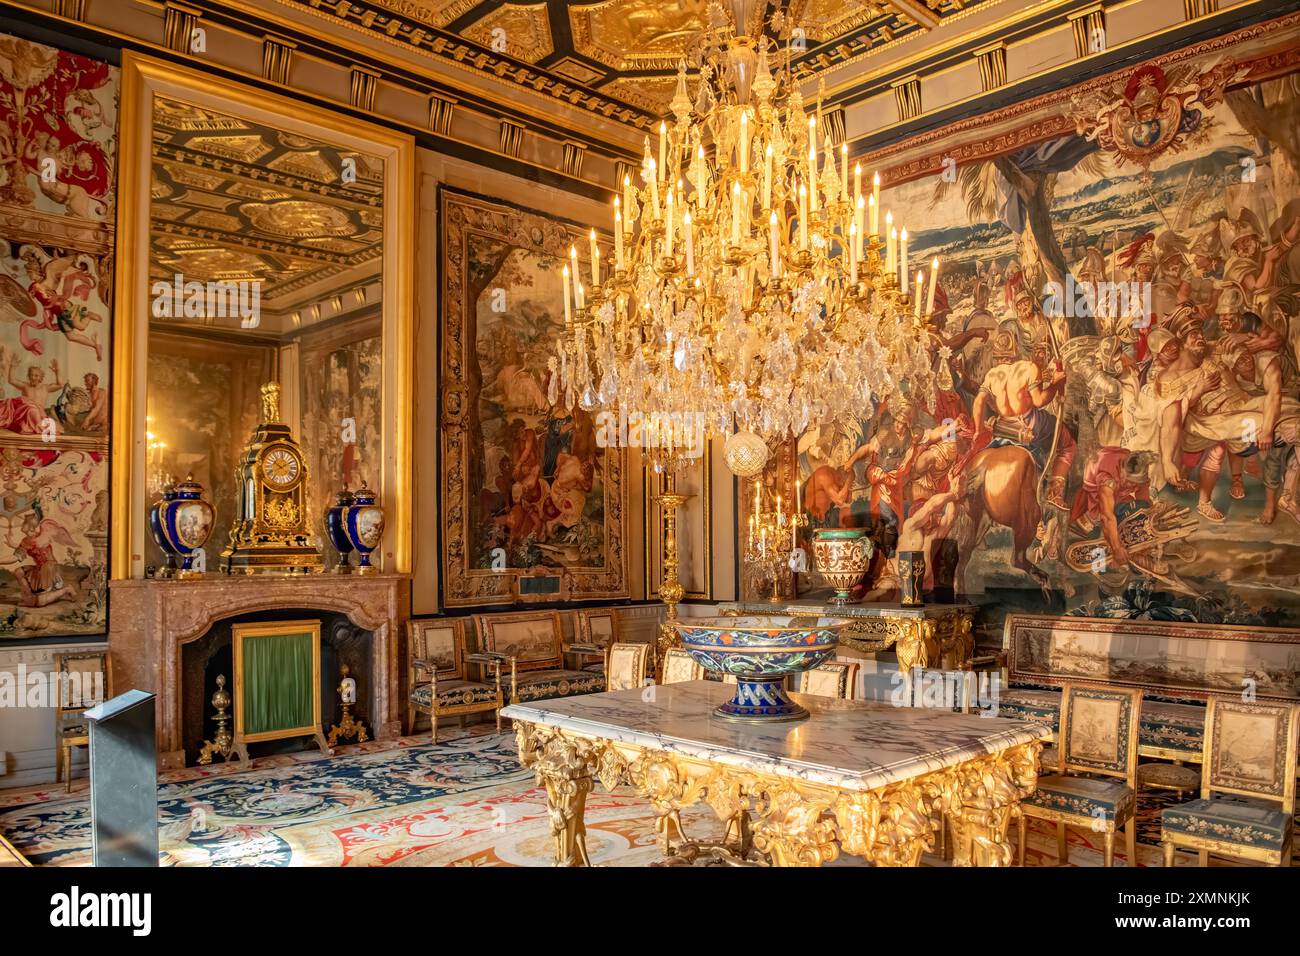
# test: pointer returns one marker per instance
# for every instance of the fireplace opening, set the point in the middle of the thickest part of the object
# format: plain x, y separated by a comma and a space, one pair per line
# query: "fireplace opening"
202, 660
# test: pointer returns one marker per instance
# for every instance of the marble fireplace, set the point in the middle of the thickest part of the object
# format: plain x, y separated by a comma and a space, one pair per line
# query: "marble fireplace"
153, 621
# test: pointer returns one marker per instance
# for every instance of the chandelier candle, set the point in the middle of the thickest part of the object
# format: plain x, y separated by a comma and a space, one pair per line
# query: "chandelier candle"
771, 327
902, 261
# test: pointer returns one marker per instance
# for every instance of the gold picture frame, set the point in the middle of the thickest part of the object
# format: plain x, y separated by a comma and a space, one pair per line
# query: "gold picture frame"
240, 635
142, 79
592, 562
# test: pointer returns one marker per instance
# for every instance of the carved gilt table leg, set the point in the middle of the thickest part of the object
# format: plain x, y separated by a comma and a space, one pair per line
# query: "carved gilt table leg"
793, 828
984, 799
564, 767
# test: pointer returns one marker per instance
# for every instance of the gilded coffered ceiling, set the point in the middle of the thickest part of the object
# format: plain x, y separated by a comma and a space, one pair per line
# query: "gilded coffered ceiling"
614, 55
236, 201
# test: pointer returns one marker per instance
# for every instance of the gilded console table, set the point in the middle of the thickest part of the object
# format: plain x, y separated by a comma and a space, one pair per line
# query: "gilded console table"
931, 635
860, 778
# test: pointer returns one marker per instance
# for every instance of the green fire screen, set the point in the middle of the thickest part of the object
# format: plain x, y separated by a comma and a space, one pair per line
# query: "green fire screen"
279, 675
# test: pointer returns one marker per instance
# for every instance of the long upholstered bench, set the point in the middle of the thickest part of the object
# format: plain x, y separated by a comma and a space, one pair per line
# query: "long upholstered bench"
533, 647
1176, 664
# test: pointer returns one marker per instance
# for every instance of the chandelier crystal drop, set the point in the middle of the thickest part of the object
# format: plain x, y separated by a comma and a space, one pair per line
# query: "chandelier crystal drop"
750, 285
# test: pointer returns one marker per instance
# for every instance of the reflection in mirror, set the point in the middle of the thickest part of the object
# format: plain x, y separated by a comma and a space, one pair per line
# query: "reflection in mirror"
265, 264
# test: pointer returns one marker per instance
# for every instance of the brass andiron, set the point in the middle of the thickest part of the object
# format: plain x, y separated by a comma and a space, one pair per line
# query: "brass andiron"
349, 726
224, 743
670, 587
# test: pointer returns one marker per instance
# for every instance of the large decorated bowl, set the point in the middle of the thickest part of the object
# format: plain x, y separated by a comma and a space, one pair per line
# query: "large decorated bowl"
760, 651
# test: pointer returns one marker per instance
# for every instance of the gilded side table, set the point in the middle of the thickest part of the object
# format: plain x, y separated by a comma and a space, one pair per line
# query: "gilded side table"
932, 635
857, 777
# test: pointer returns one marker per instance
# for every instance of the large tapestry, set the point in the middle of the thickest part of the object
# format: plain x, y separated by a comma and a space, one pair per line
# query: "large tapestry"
58, 117
1114, 427
532, 508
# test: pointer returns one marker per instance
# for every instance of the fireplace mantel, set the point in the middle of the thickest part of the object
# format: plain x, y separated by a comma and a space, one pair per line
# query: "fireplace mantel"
151, 620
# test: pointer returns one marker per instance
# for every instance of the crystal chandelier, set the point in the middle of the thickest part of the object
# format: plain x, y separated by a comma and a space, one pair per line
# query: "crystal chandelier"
751, 284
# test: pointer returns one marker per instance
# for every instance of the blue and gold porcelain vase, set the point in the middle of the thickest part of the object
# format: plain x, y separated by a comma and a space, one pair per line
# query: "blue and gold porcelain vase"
181, 522
363, 523
335, 531
760, 651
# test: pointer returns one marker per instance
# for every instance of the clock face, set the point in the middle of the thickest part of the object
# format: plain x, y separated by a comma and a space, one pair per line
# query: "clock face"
281, 467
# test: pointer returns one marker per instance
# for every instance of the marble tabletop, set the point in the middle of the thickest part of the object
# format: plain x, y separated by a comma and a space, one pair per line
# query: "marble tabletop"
848, 744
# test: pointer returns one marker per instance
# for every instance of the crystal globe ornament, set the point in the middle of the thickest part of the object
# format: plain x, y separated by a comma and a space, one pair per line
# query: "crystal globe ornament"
745, 454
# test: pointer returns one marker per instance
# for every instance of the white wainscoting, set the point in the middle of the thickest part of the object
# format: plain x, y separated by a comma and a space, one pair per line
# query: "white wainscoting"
26, 733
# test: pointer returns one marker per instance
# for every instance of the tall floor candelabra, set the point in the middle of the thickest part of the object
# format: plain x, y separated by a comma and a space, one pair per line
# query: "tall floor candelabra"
670, 586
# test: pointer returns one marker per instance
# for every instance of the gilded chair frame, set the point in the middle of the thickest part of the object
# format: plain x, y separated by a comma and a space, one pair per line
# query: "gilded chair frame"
425, 671
143, 79
1066, 765
64, 743
1284, 788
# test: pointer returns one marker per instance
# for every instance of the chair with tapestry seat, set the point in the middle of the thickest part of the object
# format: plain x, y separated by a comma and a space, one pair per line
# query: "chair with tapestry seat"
1247, 805
1095, 785
680, 667
85, 679
439, 682
626, 665
594, 630
532, 642
829, 679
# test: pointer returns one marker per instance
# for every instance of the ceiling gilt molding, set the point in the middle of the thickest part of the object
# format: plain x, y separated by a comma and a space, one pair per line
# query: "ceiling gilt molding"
277, 59
365, 84
521, 32
442, 109
179, 24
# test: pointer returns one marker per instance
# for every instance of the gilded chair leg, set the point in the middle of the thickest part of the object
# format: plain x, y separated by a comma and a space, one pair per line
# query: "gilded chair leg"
1130, 841
1169, 853
410, 720
433, 726
1021, 826
1062, 846
58, 762
1202, 857
1109, 856
67, 768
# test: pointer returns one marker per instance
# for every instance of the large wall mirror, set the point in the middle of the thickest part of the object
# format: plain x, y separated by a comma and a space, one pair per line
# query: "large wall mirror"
261, 240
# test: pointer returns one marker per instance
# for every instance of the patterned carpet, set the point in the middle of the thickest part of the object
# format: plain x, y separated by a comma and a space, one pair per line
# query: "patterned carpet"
464, 802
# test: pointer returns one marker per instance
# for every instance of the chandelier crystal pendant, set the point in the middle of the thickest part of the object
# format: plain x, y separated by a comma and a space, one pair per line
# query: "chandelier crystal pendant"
750, 285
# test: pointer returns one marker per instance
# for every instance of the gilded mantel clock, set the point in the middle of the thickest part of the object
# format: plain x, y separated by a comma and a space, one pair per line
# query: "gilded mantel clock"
272, 529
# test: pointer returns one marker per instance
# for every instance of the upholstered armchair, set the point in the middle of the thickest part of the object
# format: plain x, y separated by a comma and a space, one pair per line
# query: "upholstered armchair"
439, 682
680, 666
85, 679
1095, 781
829, 679
626, 666
1247, 805
594, 630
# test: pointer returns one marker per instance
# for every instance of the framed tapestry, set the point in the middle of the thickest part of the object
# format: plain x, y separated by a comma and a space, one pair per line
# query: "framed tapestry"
534, 638
58, 170
1113, 240
1169, 658
532, 507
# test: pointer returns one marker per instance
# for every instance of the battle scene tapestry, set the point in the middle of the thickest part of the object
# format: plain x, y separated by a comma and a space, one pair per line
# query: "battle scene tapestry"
532, 507
58, 119
1114, 425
